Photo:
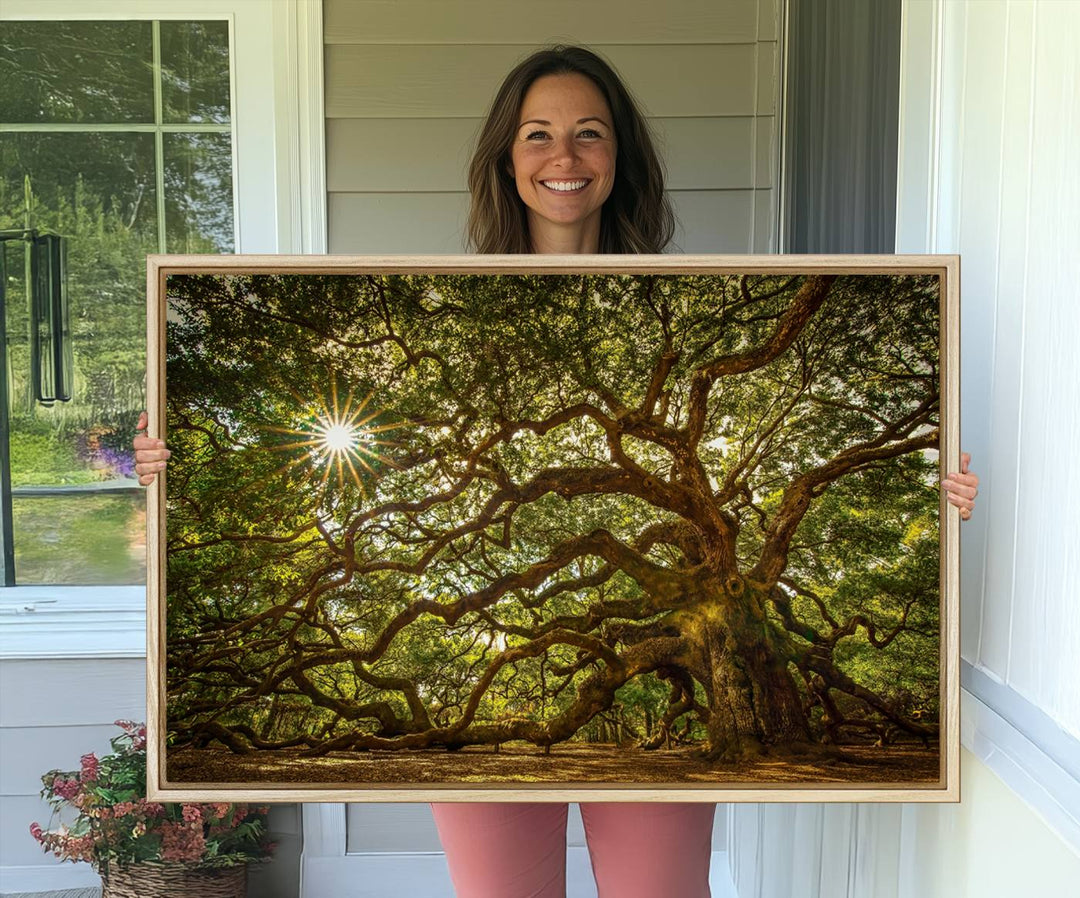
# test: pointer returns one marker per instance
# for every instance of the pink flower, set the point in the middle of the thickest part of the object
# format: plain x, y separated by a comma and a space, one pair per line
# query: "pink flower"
181, 842
150, 808
192, 813
89, 768
217, 809
65, 788
36, 831
76, 848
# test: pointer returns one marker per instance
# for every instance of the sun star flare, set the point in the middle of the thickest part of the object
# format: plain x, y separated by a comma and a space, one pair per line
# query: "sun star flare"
342, 439
338, 436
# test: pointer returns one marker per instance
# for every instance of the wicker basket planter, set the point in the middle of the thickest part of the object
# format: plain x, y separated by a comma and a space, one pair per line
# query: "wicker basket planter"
150, 880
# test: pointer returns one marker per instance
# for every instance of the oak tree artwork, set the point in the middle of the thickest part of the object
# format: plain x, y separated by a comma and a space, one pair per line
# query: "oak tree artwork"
427, 511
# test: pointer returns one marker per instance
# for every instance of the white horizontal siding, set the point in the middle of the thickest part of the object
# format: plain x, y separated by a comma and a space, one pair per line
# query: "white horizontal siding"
709, 221
408, 82
396, 222
395, 155
26, 752
54, 711
716, 221
71, 693
522, 22
440, 81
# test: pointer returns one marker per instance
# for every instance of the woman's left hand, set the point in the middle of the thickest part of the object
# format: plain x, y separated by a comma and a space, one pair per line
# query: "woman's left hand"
962, 488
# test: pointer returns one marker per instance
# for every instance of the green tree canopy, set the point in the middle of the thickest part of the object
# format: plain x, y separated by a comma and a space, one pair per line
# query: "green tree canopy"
551, 487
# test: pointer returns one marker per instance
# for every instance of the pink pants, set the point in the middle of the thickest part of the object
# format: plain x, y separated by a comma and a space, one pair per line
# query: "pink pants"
518, 850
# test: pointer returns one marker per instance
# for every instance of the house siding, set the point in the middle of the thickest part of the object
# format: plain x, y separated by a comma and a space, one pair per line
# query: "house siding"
408, 84
54, 711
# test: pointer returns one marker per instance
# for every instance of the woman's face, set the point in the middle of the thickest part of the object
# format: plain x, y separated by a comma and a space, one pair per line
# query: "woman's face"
563, 161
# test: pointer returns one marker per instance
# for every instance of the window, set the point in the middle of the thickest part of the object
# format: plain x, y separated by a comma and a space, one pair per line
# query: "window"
116, 135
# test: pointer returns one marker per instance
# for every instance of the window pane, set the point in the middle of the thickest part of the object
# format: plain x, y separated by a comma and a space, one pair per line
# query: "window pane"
78, 180
76, 72
198, 193
81, 539
78, 514
98, 191
195, 71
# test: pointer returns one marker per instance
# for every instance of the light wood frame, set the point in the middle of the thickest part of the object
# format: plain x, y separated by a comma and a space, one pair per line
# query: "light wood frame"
946, 267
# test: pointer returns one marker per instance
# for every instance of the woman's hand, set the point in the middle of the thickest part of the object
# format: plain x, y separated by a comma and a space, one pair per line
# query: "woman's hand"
150, 454
962, 488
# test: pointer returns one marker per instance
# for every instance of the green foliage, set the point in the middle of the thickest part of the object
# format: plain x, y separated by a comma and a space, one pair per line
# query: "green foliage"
99, 190
41, 458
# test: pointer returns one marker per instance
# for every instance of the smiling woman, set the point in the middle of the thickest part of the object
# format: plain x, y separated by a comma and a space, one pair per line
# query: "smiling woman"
560, 118
563, 162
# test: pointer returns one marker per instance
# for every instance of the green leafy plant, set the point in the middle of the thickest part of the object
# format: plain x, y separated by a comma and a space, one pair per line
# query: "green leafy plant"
116, 824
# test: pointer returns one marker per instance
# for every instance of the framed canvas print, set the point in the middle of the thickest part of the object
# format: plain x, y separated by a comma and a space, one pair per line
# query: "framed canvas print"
554, 528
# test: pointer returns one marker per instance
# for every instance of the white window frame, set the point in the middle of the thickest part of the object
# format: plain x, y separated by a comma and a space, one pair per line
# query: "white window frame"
279, 196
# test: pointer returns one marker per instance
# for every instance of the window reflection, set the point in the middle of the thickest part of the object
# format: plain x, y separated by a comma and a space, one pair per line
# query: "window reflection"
135, 175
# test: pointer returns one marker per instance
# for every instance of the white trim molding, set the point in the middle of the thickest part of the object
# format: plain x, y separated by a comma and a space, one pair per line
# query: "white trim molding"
38, 622
1045, 773
919, 126
298, 37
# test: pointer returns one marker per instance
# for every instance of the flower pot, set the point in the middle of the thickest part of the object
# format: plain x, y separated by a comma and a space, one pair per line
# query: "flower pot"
172, 880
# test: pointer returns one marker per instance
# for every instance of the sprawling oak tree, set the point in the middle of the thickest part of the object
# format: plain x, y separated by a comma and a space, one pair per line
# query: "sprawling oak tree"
417, 511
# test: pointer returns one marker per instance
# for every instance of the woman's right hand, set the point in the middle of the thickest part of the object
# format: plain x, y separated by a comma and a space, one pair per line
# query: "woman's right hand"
150, 454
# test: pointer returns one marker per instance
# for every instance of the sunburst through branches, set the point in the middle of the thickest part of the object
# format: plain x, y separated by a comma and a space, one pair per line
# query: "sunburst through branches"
340, 439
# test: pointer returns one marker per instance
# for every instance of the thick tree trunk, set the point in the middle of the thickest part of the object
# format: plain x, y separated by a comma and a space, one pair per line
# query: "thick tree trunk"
753, 700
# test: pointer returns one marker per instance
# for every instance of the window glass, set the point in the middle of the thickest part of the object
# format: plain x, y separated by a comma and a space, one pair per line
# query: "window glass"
122, 183
81, 539
56, 72
198, 193
195, 71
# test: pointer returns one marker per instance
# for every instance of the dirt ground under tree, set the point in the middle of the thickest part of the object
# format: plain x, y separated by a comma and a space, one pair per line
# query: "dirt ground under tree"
568, 763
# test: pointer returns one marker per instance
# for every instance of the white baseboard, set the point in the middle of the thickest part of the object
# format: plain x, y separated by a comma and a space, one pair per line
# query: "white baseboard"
1047, 787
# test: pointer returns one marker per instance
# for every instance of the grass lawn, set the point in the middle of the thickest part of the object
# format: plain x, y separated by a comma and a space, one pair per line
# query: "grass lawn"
81, 539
